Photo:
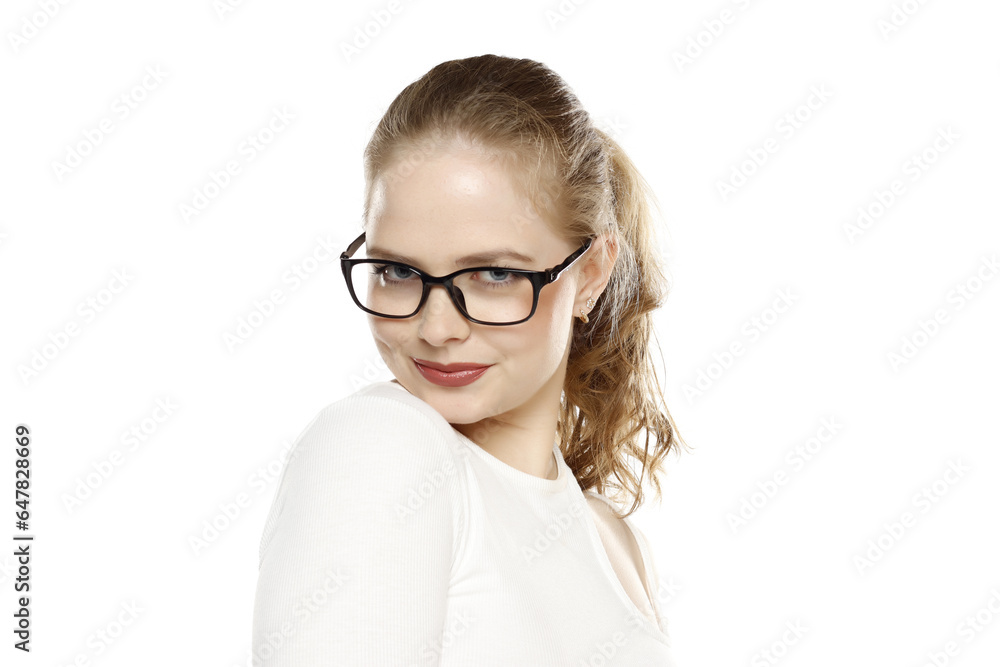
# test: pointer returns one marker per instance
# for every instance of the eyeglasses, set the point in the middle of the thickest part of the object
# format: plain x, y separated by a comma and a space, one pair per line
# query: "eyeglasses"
497, 296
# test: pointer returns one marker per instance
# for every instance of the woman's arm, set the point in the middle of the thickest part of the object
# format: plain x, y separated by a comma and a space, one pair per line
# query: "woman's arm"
357, 551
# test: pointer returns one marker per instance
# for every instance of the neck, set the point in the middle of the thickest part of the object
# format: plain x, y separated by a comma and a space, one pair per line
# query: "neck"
528, 448
525, 436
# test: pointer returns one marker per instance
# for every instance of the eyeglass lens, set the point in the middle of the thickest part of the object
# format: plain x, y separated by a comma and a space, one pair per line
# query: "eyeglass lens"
494, 296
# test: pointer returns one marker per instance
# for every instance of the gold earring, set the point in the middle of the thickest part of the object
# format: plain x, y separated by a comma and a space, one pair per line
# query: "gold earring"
583, 313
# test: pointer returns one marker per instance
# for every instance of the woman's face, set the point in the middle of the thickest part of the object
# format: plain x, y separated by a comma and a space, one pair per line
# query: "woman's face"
457, 203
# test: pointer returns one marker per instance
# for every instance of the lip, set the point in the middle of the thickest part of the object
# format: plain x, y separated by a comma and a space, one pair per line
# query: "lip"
450, 368
449, 375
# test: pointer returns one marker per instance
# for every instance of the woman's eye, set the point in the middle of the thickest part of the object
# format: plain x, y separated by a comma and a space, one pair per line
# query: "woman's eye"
391, 272
395, 273
499, 275
399, 273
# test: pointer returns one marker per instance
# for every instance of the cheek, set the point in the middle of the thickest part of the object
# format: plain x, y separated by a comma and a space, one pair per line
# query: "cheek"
549, 327
558, 307
391, 338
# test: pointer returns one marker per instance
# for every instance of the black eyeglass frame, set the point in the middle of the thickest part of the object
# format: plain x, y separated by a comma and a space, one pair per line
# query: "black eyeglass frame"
539, 279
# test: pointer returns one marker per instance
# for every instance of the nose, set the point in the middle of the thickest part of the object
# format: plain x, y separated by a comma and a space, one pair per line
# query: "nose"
440, 320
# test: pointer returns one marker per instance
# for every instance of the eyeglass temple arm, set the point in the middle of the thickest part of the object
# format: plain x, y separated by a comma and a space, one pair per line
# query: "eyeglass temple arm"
554, 272
353, 248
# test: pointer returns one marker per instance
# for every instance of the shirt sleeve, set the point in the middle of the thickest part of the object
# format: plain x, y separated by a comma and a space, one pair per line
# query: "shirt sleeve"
357, 551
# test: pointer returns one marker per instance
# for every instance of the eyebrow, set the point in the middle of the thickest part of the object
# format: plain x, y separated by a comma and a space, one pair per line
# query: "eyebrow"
482, 258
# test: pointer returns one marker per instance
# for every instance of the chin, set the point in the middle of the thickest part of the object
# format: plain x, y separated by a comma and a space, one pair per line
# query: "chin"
457, 405
455, 408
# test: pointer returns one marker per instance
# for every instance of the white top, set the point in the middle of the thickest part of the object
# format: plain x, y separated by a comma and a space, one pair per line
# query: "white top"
395, 540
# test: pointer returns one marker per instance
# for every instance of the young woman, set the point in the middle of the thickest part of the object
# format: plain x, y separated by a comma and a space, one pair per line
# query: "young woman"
457, 514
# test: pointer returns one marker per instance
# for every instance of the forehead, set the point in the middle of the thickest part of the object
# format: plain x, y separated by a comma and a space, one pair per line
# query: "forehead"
458, 201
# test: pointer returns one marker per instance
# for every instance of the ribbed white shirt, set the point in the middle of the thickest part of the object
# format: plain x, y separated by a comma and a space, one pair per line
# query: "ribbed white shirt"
394, 540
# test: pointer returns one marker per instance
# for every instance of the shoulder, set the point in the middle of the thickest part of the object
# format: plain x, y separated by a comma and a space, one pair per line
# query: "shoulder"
362, 458
371, 508
389, 399
612, 527
630, 553
383, 414
382, 432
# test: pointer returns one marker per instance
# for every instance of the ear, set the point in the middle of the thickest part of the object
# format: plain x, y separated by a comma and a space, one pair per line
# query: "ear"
598, 262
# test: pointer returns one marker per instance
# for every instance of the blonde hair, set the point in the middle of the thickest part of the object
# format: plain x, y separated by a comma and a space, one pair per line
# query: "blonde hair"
530, 119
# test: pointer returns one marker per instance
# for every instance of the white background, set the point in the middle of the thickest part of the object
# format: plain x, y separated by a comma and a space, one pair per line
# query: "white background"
857, 299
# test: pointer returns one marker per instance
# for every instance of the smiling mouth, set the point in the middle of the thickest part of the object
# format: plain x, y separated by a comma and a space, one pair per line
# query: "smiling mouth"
461, 375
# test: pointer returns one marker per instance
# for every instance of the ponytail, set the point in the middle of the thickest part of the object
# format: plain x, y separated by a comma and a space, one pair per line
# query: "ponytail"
611, 409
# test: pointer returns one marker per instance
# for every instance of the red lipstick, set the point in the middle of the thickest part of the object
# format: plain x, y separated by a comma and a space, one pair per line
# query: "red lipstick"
449, 375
